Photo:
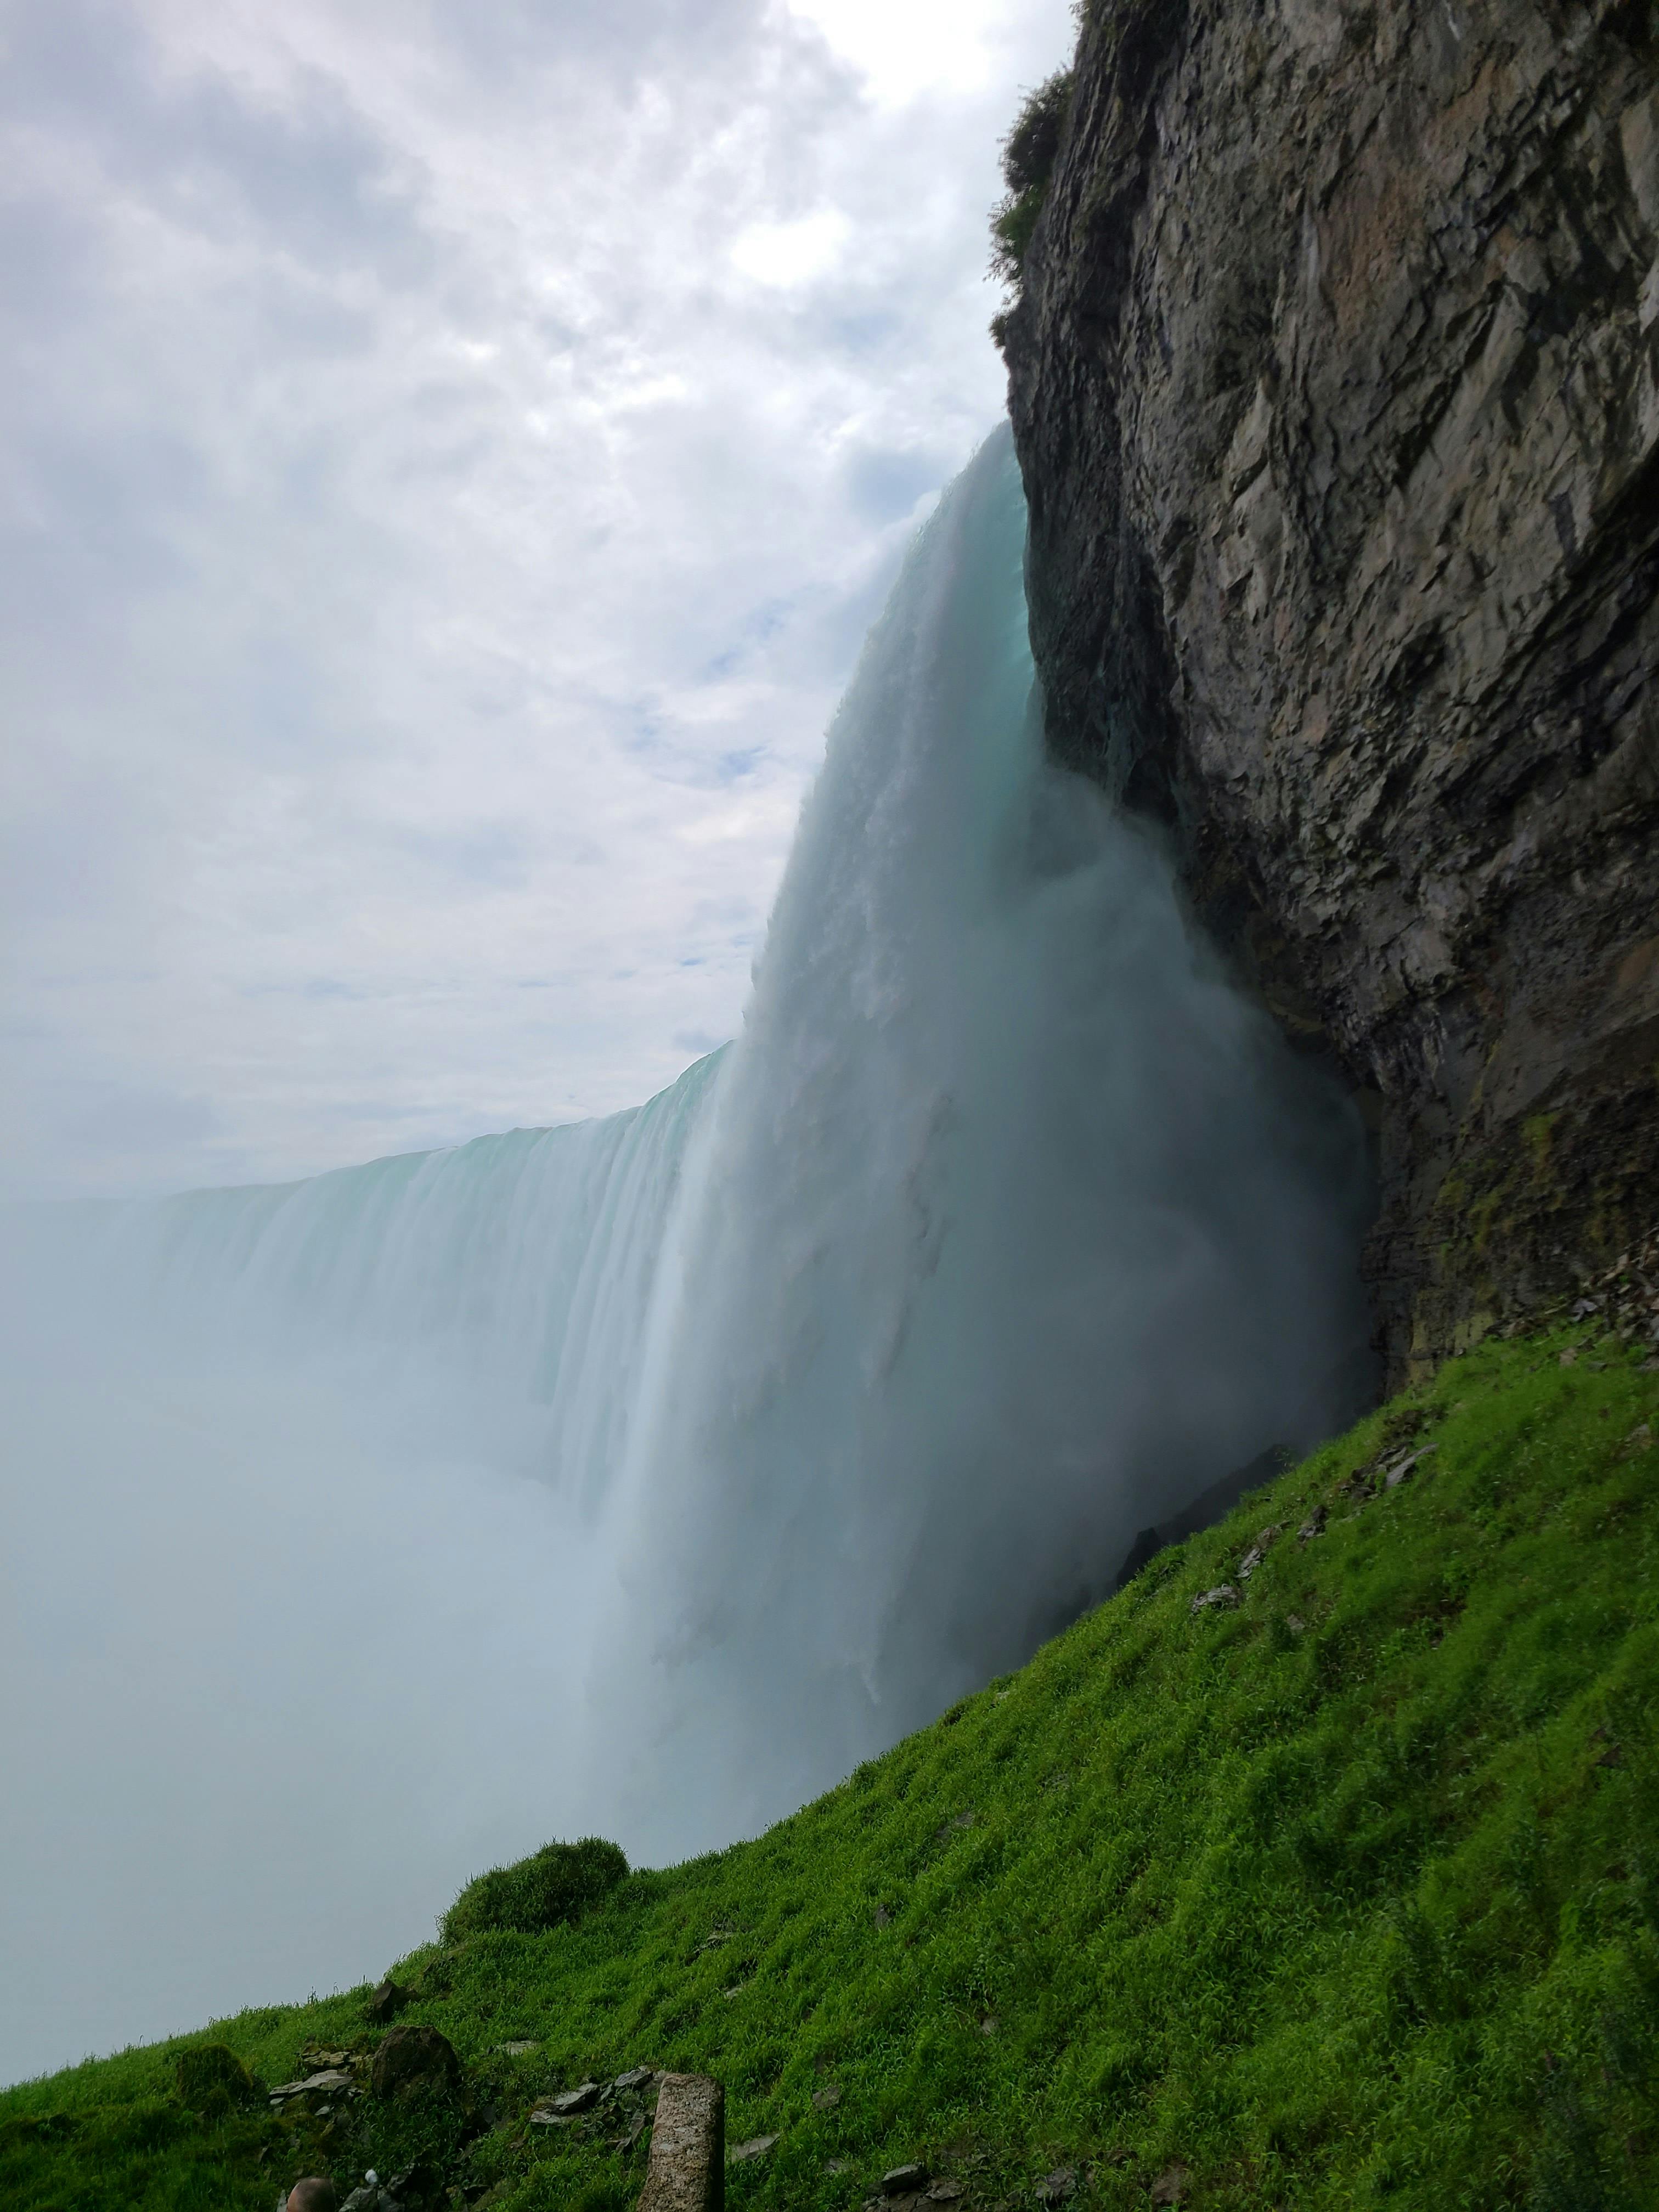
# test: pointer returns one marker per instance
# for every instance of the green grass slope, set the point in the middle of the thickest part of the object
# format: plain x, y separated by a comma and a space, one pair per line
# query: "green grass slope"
1346, 1895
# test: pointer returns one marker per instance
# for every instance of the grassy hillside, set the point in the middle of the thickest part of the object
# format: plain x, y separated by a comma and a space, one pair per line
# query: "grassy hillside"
1346, 1894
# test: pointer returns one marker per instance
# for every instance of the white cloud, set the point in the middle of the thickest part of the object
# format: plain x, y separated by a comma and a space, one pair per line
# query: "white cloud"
792, 252
448, 460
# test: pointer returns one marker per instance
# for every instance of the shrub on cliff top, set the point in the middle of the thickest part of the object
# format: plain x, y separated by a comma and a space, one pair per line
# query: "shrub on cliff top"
1029, 153
556, 1885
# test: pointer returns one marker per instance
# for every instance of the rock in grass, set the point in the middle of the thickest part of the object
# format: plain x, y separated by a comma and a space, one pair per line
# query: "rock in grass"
414, 2060
1171, 2186
328, 2082
686, 2170
569, 2102
756, 2146
1223, 1595
904, 2180
1401, 1468
387, 2001
1056, 2187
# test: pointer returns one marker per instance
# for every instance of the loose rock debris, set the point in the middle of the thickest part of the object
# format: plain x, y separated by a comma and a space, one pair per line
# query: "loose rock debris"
1259, 1551
1223, 1594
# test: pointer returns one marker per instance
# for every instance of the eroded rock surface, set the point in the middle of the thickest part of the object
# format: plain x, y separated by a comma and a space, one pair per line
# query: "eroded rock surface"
1334, 384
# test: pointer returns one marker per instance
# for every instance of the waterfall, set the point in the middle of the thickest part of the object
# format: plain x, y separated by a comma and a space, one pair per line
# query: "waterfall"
644, 1475
1016, 1228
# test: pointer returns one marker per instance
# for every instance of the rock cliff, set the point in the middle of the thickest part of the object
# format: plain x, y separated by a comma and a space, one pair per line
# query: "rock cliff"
1334, 380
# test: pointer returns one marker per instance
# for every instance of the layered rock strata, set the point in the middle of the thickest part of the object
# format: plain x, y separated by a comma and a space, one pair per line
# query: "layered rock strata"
1334, 380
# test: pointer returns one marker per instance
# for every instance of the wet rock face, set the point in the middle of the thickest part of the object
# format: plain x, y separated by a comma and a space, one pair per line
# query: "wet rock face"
1335, 386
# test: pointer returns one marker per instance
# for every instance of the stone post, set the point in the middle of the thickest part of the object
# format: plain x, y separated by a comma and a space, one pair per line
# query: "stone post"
687, 2170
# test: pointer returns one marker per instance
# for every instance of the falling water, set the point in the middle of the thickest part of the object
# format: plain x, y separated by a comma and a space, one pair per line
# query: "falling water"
645, 1474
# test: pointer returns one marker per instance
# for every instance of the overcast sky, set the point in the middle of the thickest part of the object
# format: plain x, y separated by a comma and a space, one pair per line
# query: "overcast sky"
449, 452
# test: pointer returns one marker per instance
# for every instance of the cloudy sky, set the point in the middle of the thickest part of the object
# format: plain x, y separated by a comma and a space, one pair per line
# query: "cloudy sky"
449, 453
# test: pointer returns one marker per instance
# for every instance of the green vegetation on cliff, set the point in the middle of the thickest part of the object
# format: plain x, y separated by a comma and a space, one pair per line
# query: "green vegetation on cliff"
1344, 1894
1029, 153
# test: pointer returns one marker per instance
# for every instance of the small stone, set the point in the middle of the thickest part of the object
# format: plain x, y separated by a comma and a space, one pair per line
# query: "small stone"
1295, 1623
636, 2129
1397, 1473
1054, 2188
1312, 1527
826, 2099
517, 2050
1569, 1358
882, 1917
904, 2180
943, 2192
331, 2082
387, 2000
1612, 1756
1224, 1594
1171, 2186
637, 2077
756, 2146
569, 2102
1640, 1438
1251, 1560
988, 2025
837, 2165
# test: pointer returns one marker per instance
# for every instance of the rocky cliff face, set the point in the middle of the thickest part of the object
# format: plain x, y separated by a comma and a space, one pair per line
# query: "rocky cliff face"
1334, 383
